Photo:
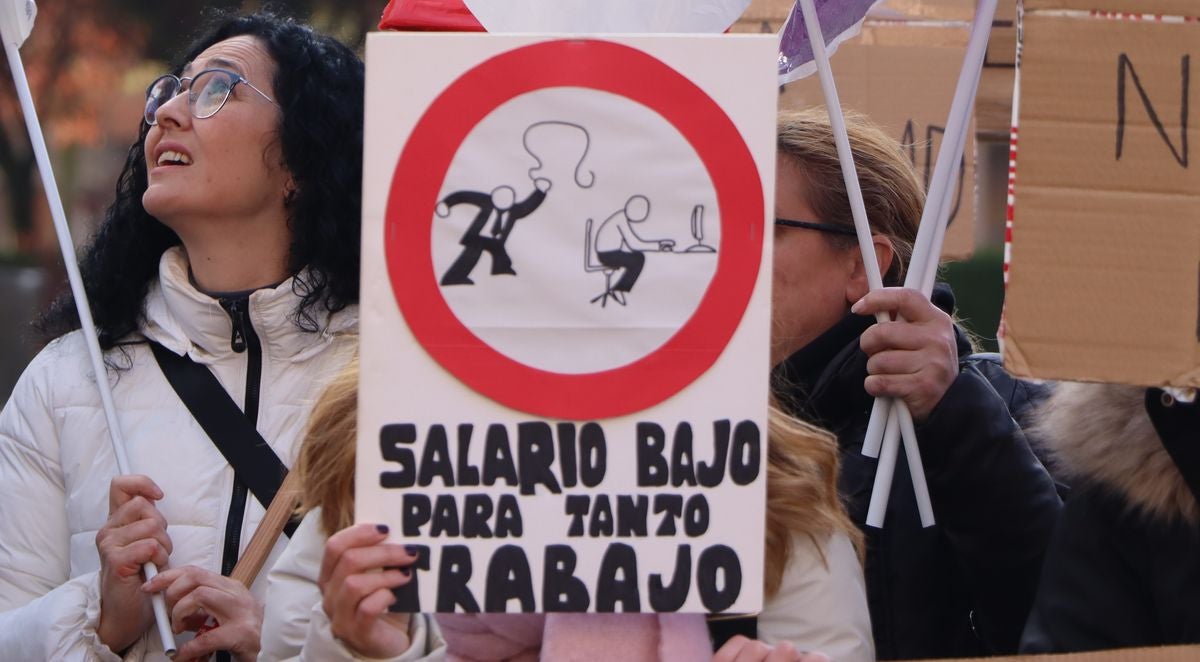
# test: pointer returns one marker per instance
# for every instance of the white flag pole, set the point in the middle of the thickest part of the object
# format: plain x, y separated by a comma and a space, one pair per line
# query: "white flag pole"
858, 210
13, 38
923, 265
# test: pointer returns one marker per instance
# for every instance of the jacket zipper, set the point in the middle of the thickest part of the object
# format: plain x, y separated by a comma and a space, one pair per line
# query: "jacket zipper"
242, 339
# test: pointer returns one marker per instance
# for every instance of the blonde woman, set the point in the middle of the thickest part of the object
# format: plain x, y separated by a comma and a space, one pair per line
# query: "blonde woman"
329, 594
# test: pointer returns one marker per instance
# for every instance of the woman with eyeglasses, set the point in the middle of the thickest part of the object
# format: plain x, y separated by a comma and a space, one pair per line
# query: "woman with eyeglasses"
232, 245
964, 586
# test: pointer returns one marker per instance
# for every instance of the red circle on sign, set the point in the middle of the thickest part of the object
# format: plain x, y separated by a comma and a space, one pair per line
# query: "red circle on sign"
422, 168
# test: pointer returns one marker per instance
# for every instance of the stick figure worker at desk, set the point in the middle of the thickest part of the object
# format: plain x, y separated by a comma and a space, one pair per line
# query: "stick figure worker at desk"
618, 246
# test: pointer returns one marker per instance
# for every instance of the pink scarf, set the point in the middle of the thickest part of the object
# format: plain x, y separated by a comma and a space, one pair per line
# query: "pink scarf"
575, 637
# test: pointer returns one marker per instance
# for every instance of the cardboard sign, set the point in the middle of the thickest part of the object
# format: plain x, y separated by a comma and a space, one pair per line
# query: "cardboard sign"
1105, 240
903, 76
565, 318
1161, 654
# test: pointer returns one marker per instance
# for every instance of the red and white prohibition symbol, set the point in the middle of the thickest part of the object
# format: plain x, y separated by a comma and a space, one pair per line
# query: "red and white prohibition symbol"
487, 329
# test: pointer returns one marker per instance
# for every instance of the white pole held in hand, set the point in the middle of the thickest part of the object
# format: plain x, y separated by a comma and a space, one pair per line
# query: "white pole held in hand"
934, 218
16, 21
858, 210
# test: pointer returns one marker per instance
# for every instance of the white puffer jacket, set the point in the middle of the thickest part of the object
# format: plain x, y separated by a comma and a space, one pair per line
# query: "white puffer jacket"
56, 461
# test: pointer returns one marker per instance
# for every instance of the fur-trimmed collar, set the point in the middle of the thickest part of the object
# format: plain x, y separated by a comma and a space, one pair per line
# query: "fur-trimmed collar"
1101, 433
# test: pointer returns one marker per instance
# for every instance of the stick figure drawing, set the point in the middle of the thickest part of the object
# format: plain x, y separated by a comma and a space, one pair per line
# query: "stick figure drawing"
501, 207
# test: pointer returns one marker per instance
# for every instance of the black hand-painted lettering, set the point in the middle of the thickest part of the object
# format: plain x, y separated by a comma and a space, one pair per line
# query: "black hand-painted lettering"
683, 467
618, 580
672, 596
561, 589
633, 513
416, 510
391, 439
508, 578
601, 522
435, 458
468, 474
746, 454
651, 465
535, 447
718, 578
1125, 66
454, 571
576, 506
671, 505
497, 457
711, 475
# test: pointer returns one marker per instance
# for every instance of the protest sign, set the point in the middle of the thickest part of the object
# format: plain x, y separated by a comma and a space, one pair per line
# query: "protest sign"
902, 77
1105, 238
1154, 654
565, 318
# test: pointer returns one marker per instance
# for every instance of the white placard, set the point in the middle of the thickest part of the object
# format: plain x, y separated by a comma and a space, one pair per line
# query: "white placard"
565, 318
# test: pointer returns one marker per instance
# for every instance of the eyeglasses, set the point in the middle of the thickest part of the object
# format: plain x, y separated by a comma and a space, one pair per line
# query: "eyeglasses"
207, 92
820, 227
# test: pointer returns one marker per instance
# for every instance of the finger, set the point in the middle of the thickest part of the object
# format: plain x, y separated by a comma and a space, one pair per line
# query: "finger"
375, 557
125, 487
203, 599
732, 648
357, 587
226, 601
374, 605
901, 334
908, 303
784, 652
165, 578
896, 362
359, 535
754, 651
891, 386
343, 602
217, 639
184, 584
133, 509
145, 529
127, 561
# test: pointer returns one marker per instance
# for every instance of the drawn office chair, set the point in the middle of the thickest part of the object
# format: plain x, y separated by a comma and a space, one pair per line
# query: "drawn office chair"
591, 263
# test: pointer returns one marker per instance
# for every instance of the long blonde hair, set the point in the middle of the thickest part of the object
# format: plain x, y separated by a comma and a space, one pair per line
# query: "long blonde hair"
802, 467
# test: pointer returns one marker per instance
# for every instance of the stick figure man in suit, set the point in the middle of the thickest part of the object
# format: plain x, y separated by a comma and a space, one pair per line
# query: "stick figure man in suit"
502, 209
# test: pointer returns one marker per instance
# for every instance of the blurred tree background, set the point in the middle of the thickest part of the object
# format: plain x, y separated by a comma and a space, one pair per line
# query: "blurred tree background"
88, 64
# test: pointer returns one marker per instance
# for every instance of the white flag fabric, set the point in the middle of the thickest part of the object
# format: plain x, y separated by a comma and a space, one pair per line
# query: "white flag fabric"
607, 16
16, 20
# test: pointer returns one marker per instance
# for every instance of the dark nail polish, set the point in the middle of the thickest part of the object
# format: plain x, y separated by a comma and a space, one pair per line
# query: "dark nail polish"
382, 528
412, 550
406, 572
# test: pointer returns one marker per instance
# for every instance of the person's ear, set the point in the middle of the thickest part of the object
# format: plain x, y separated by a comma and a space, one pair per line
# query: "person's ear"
289, 192
858, 285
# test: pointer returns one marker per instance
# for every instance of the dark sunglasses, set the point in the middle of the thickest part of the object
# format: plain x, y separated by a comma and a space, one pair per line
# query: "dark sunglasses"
820, 227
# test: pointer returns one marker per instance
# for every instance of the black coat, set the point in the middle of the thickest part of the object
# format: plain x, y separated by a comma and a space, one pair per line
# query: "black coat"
1123, 568
964, 586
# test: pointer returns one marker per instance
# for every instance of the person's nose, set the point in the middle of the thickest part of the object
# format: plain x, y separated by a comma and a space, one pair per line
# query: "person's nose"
175, 112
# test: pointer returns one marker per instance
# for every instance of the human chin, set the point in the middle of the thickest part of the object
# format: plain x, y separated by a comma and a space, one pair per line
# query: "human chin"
159, 202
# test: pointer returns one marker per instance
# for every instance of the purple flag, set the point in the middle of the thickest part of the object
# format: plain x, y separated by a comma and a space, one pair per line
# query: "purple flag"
840, 20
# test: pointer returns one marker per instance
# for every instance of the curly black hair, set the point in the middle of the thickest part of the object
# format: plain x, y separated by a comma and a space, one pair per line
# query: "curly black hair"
318, 85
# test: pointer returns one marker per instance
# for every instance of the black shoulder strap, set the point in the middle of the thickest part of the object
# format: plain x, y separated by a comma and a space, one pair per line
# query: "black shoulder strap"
253, 461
